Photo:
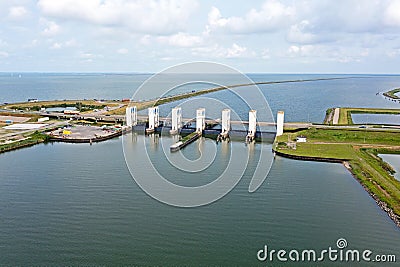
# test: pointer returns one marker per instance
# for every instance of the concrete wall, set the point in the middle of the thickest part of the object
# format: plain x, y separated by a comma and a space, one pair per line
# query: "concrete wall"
252, 122
154, 117
226, 120
200, 119
279, 123
176, 118
131, 116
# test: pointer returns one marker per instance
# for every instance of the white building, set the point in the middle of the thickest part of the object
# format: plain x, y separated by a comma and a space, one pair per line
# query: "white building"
131, 116
154, 117
252, 122
301, 139
176, 120
200, 119
226, 120
279, 123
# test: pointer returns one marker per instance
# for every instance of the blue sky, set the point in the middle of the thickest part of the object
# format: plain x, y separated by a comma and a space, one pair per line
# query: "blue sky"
271, 36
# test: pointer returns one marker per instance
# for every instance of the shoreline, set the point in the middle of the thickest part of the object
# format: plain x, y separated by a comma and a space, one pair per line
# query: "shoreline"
381, 204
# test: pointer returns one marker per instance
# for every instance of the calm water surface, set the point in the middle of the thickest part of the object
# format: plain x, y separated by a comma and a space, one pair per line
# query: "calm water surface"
76, 204
394, 161
376, 119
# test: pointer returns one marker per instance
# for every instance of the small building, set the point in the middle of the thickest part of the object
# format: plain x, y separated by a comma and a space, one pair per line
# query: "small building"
301, 139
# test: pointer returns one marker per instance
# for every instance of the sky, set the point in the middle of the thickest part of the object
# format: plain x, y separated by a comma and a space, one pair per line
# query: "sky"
260, 36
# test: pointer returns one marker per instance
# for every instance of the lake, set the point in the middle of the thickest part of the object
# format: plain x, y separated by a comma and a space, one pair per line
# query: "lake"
76, 204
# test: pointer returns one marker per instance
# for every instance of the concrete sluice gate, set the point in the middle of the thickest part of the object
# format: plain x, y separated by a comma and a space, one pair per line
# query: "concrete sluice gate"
221, 130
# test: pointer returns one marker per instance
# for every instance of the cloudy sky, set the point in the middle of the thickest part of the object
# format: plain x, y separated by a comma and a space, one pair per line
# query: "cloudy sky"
279, 36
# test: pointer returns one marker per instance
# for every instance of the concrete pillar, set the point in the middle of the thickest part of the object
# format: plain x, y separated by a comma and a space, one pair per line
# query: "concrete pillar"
200, 119
154, 117
226, 120
128, 117
279, 123
134, 116
176, 118
131, 116
252, 122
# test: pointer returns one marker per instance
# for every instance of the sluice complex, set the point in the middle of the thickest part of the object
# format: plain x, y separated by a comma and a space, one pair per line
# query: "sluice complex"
203, 126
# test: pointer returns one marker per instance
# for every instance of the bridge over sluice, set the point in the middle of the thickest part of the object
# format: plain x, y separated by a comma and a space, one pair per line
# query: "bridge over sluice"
193, 128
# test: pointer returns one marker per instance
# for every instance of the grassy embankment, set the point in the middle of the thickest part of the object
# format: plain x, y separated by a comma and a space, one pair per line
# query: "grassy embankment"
188, 137
392, 93
357, 147
81, 105
345, 114
28, 140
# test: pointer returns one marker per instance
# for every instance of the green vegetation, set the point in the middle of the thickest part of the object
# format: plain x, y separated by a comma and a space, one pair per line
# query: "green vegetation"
188, 137
329, 151
81, 105
357, 147
30, 140
353, 136
329, 116
392, 93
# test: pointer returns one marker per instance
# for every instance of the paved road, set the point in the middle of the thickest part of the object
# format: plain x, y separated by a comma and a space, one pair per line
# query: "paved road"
19, 132
336, 116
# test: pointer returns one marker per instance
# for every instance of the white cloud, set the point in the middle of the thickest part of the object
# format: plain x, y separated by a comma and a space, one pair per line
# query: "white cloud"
181, 40
310, 51
56, 46
273, 15
151, 16
89, 57
123, 51
71, 43
265, 54
392, 14
235, 51
3, 54
145, 39
167, 58
393, 53
17, 12
328, 53
66, 44
3, 43
299, 33
51, 29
